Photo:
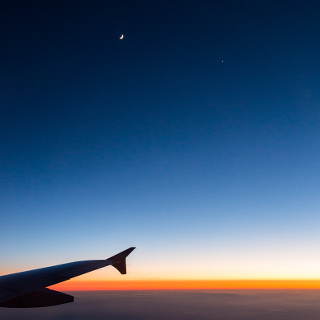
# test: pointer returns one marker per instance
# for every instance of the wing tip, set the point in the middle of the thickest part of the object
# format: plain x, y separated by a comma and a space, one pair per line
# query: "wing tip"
118, 261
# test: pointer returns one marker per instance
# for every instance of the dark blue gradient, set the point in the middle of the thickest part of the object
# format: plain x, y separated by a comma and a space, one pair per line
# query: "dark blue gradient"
199, 130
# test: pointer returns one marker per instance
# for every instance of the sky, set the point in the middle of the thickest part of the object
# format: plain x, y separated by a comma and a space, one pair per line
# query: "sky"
195, 138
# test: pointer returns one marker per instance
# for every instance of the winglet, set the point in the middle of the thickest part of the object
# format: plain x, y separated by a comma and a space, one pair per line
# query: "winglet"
119, 260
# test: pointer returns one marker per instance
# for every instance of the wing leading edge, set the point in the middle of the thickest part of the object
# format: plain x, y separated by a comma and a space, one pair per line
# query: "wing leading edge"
27, 289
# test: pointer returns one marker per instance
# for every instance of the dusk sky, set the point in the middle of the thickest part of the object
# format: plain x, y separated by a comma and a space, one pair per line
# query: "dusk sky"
196, 138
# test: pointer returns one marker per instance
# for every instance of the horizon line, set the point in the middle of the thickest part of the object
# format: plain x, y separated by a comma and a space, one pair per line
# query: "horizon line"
229, 284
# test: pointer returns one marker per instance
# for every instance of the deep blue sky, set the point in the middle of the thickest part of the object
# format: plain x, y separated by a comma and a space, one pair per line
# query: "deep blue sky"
153, 141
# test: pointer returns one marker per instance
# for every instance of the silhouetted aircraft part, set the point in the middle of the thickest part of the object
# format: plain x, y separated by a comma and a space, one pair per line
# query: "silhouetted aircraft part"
41, 298
28, 289
119, 260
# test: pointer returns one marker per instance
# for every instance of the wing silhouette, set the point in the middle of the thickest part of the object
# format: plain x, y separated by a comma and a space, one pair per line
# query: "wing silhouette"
28, 289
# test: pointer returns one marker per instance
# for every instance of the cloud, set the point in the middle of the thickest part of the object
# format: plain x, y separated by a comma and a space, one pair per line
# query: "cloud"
182, 305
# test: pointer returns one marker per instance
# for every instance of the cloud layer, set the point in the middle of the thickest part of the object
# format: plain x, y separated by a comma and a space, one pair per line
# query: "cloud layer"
182, 305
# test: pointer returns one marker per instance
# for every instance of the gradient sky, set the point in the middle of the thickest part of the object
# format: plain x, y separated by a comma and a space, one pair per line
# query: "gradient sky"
196, 139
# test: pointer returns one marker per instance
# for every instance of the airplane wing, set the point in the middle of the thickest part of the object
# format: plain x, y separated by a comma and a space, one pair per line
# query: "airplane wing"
28, 289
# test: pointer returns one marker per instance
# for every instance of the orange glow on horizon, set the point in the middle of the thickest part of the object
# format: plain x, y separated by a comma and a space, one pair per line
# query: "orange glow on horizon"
189, 285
